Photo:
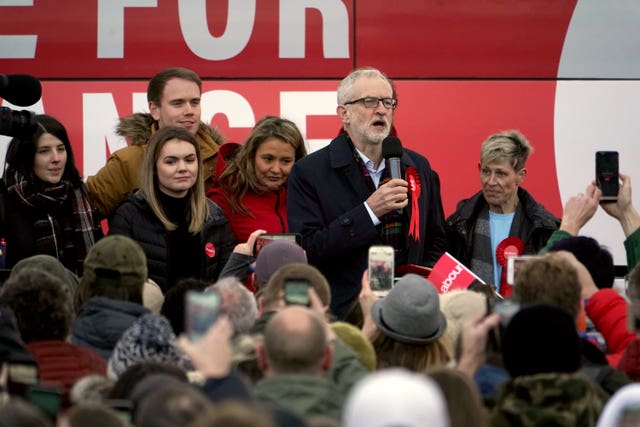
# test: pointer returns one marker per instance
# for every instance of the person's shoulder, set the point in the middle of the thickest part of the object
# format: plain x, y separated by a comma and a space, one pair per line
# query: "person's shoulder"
537, 210
216, 213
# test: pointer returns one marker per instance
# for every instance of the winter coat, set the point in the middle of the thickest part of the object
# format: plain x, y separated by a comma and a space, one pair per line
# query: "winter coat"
101, 321
120, 176
136, 220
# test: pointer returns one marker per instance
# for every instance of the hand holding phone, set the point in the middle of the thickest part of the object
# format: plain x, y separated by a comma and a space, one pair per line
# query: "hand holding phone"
607, 175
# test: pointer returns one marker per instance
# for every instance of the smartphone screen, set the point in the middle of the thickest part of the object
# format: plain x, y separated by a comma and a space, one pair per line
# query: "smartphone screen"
381, 264
296, 291
607, 174
263, 239
201, 311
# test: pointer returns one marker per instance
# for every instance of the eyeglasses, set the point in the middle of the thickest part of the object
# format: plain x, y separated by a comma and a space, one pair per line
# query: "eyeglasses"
370, 102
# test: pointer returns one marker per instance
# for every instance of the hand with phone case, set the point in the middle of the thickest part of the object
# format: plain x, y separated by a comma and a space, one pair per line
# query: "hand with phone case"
607, 175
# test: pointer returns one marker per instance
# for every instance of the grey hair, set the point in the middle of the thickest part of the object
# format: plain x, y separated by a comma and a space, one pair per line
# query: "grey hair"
509, 145
345, 88
238, 303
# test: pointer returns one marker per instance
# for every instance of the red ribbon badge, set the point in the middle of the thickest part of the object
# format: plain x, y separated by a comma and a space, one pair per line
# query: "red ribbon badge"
509, 247
414, 190
210, 250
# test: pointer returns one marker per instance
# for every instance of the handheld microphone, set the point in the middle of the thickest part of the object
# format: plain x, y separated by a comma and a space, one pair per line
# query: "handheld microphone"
20, 89
392, 152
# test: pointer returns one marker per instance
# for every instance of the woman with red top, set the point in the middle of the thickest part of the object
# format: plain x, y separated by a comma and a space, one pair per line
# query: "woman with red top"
251, 187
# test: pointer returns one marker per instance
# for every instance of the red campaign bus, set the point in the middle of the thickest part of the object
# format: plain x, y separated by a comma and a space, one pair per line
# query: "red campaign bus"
564, 73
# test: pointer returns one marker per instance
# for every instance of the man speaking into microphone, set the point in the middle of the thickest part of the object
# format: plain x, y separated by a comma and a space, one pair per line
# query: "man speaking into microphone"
364, 189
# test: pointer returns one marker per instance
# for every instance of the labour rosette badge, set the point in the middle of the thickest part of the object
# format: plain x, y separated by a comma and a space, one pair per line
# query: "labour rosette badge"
509, 247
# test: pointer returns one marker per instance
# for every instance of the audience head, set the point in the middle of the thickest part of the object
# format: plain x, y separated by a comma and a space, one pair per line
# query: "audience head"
24, 158
597, 259
237, 303
12, 347
92, 414
152, 296
395, 397
40, 303
295, 342
410, 326
168, 91
134, 374
459, 306
51, 265
90, 388
116, 268
235, 414
541, 339
464, 403
271, 297
274, 255
154, 178
17, 412
150, 338
174, 302
550, 279
174, 404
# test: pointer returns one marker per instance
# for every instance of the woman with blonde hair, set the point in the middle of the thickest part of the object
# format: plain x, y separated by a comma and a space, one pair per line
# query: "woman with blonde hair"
182, 233
252, 184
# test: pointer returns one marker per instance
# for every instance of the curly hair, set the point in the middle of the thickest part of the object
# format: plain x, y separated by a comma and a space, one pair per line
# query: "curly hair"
40, 303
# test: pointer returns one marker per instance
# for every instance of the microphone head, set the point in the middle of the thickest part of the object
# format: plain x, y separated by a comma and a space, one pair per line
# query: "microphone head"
391, 147
20, 89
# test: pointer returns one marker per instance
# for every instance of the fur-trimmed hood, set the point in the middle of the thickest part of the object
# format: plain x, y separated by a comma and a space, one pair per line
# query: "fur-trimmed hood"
138, 128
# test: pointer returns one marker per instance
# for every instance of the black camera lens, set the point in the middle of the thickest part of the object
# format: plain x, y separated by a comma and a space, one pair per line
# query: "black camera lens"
17, 123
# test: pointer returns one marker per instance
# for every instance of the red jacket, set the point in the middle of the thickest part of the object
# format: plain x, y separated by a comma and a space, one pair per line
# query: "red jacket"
64, 363
608, 312
269, 209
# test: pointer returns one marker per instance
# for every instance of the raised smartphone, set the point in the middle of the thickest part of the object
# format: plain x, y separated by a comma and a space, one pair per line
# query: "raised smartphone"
201, 311
381, 264
263, 239
607, 174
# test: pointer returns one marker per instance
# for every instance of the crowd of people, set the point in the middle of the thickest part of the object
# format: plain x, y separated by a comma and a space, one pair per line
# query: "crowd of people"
109, 281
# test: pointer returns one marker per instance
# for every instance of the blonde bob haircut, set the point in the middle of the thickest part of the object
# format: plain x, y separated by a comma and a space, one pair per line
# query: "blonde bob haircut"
198, 207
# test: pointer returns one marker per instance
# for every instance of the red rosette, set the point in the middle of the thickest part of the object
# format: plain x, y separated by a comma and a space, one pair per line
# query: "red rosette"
414, 192
509, 247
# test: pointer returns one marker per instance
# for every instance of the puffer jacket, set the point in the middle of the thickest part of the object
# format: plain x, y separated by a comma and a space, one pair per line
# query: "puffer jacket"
120, 176
136, 219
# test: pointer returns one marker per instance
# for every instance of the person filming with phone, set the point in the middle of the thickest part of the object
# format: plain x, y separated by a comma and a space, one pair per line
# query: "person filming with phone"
365, 189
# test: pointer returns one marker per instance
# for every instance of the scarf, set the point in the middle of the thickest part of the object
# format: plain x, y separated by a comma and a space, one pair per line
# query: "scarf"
64, 226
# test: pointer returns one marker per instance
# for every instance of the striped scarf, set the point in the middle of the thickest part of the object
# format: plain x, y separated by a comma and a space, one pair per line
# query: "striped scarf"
64, 226
393, 224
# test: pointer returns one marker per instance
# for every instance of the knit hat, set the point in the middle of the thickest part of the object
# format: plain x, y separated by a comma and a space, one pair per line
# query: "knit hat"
410, 313
274, 255
458, 306
541, 339
395, 397
51, 265
358, 342
116, 259
150, 338
152, 296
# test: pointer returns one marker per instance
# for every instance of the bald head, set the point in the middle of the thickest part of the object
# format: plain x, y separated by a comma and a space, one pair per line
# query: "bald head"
295, 342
